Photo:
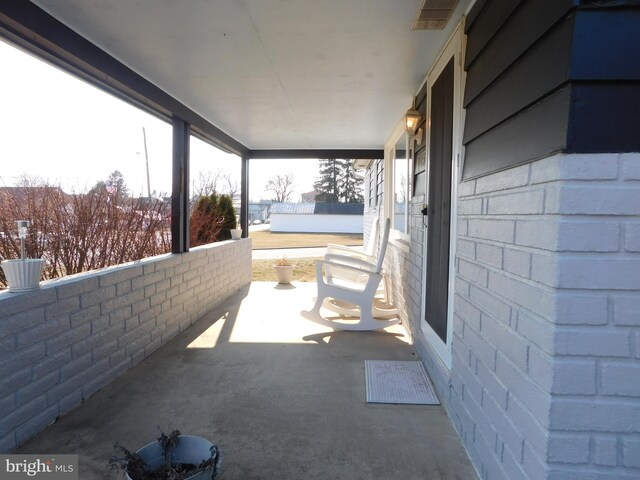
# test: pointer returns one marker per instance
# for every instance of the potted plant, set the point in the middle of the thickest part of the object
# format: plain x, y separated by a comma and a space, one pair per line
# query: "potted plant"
236, 233
23, 274
173, 456
284, 270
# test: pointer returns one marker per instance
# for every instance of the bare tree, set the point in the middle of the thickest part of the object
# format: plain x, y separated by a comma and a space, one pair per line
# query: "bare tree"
80, 232
282, 186
232, 188
207, 183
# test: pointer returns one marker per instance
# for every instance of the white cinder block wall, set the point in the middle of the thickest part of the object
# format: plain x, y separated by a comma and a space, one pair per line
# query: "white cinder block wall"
545, 377
403, 264
62, 343
595, 403
545, 372
502, 345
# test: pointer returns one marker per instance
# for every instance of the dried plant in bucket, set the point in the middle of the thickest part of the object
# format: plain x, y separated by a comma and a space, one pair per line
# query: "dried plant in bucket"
171, 457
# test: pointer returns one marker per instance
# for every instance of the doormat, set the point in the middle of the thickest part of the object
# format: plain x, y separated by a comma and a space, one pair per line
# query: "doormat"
398, 382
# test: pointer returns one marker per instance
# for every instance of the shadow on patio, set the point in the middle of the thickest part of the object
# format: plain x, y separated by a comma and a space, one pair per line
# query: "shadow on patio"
282, 397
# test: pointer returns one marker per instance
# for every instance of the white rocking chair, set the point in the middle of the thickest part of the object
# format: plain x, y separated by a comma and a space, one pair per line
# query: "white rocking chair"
344, 278
368, 249
382, 307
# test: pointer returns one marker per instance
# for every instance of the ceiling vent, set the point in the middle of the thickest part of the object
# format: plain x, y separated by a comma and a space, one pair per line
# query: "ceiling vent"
434, 14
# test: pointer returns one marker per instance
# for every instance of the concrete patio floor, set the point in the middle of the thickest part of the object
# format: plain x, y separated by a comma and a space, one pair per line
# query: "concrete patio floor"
284, 398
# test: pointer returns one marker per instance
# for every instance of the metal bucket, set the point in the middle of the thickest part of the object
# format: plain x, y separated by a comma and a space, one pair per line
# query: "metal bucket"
190, 449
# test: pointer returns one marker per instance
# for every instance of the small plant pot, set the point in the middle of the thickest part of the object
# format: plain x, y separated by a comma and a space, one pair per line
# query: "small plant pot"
23, 275
236, 233
284, 273
189, 450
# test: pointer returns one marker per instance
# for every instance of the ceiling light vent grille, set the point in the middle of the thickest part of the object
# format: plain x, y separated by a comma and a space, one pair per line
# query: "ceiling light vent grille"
434, 14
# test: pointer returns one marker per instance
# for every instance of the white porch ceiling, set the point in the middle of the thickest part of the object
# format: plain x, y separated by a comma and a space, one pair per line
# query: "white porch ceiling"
286, 74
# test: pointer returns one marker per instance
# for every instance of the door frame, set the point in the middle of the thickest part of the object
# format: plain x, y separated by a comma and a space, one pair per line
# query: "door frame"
453, 49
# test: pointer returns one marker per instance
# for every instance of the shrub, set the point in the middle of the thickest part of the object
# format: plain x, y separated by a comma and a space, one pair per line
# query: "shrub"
206, 222
81, 232
228, 213
211, 220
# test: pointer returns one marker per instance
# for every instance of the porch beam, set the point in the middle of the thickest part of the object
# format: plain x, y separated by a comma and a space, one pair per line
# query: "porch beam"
180, 187
30, 27
272, 154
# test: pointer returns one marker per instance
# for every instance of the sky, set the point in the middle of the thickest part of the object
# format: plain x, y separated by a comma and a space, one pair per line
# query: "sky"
67, 131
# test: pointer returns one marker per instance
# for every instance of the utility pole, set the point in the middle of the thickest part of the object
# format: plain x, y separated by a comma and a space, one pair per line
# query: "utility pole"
146, 158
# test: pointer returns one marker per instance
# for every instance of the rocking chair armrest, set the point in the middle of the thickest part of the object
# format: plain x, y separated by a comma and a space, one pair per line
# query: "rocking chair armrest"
342, 260
344, 266
325, 276
344, 248
354, 252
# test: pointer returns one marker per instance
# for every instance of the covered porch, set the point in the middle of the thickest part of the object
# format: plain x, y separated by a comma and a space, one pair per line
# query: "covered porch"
514, 262
283, 398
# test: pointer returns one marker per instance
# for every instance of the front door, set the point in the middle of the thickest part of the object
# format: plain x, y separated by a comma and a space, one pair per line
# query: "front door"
439, 201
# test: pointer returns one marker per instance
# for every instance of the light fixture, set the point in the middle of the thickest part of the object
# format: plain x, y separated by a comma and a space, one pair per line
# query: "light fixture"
411, 121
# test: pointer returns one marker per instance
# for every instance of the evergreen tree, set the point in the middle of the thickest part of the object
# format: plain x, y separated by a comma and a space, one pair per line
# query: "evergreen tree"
327, 184
227, 211
115, 186
206, 222
338, 182
350, 183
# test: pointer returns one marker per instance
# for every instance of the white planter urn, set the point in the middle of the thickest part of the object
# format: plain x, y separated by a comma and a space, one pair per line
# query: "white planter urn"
23, 275
236, 233
284, 272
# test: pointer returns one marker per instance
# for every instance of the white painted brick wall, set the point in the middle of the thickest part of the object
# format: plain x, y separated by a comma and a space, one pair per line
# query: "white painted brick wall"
403, 264
549, 263
64, 342
598, 313
546, 342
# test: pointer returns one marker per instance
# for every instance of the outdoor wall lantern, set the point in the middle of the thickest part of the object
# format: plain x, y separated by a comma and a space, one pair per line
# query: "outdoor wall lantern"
411, 121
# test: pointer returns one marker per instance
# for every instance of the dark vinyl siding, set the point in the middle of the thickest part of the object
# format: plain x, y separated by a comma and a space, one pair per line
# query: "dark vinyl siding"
605, 73
529, 22
480, 33
604, 118
536, 133
547, 76
531, 78
607, 45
